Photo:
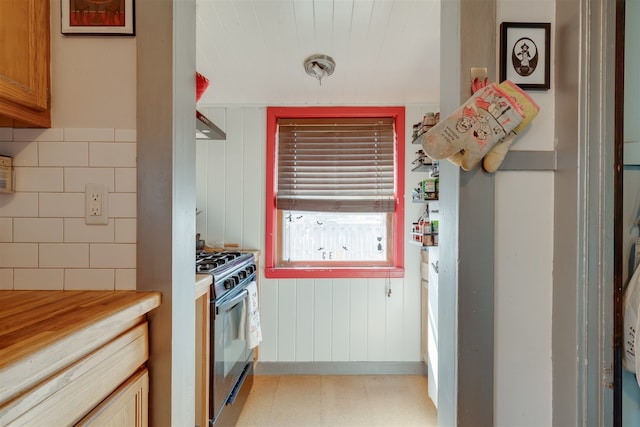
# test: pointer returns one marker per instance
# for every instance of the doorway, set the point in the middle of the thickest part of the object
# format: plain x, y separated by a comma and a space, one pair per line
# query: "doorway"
627, 203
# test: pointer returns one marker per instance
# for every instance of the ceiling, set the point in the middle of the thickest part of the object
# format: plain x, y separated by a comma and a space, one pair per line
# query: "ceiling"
252, 51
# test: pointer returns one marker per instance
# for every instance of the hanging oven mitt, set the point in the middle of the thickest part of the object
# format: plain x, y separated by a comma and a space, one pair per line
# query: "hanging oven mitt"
456, 158
493, 159
476, 85
487, 117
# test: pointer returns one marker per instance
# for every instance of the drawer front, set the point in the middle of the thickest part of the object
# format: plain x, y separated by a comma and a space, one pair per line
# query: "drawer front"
67, 396
127, 406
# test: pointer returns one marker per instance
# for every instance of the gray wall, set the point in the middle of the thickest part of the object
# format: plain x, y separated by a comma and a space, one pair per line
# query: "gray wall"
583, 246
166, 200
565, 243
631, 183
465, 296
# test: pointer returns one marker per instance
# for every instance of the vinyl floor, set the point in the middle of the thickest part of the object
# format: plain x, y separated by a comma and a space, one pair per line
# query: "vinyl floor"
338, 401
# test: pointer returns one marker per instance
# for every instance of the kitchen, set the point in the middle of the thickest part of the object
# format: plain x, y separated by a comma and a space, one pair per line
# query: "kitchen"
159, 200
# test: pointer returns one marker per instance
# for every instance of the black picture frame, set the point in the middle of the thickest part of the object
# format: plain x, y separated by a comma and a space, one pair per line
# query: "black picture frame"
525, 54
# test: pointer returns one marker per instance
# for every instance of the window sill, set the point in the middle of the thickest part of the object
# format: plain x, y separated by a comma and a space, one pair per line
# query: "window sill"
332, 273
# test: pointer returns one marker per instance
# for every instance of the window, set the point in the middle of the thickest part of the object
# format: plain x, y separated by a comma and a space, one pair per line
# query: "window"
335, 192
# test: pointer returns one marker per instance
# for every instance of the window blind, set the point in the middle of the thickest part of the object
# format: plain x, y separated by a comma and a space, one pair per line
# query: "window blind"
336, 164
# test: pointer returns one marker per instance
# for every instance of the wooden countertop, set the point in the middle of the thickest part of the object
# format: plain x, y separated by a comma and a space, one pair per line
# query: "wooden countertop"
203, 282
43, 331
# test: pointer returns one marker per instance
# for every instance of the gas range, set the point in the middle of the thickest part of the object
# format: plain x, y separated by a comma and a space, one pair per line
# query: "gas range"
228, 269
231, 357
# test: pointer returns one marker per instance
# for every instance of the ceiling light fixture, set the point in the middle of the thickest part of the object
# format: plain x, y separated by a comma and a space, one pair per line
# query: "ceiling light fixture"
319, 66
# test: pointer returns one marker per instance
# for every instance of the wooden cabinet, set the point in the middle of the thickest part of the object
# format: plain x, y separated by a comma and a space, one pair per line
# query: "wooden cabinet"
424, 298
127, 406
74, 357
24, 63
203, 335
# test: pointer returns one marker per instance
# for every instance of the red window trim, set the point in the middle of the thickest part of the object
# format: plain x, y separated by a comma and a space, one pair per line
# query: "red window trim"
271, 271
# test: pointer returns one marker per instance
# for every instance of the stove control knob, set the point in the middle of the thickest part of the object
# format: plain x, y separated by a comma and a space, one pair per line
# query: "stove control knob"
229, 284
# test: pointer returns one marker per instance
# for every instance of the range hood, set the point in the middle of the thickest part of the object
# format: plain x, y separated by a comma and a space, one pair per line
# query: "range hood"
206, 129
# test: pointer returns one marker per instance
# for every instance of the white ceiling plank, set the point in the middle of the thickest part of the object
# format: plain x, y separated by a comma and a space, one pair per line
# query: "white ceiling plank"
305, 25
341, 41
372, 59
356, 46
386, 51
323, 26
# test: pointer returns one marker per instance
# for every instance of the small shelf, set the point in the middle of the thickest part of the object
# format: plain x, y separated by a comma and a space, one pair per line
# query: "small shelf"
415, 243
428, 121
423, 167
424, 201
425, 233
418, 139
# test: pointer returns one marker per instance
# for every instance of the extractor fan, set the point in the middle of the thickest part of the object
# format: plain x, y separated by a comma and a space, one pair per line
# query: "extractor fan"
205, 128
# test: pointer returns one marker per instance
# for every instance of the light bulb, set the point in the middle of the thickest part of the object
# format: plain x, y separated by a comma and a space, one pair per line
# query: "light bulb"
319, 72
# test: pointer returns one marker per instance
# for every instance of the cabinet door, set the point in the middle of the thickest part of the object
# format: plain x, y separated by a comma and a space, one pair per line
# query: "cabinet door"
127, 406
24, 59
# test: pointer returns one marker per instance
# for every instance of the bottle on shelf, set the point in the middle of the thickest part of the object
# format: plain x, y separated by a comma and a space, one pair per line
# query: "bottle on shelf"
427, 189
428, 121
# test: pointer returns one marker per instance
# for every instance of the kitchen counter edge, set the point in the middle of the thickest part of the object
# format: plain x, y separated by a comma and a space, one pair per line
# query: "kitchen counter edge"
41, 332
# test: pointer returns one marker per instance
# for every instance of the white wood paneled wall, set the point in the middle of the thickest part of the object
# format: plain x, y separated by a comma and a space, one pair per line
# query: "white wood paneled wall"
305, 320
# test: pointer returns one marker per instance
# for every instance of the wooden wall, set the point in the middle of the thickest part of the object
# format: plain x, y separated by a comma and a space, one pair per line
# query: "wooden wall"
323, 320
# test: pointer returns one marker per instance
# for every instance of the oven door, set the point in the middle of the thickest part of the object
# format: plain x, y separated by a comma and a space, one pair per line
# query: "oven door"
229, 349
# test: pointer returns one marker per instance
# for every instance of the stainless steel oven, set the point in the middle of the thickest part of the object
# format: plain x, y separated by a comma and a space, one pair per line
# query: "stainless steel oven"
231, 373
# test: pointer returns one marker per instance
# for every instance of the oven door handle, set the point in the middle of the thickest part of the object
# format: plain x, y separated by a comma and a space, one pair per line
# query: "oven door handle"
228, 305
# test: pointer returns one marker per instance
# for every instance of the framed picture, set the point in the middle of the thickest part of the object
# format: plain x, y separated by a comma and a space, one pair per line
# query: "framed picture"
525, 54
97, 17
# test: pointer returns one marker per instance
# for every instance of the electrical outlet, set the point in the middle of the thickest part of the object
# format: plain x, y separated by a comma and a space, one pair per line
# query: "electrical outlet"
95, 204
96, 198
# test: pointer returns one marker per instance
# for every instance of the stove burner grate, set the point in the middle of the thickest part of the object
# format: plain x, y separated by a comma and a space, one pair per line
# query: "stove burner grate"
227, 268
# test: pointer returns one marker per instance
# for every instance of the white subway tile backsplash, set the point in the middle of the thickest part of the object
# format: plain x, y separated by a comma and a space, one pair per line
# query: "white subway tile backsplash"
76, 231
6, 134
122, 205
23, 153
46, 279
39, 179
19, 205
114, 154
6, 230
89, 134
126, 135
126, 279
63, 153
64, 255
89, 279
44, 241
31, 134
125, 230
37, 230
6, 279
113, 255
76, 178
61, 205
126, 180
17, 255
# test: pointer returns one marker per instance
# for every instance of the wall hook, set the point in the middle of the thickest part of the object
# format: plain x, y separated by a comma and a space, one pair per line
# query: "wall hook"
436, 267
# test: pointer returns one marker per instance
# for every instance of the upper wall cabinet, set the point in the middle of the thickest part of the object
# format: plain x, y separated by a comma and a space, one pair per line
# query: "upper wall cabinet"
24, 63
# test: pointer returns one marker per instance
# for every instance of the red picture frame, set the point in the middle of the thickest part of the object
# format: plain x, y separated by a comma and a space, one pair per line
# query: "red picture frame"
97, 17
